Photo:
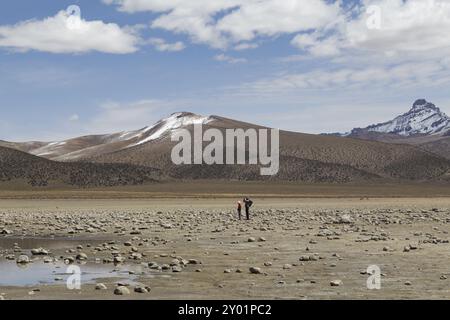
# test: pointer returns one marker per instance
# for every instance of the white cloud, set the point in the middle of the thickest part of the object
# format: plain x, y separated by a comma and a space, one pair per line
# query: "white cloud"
403, 29
55, 35
405, 75
225, 58
221, 23
271, 18
162, 45
414, 26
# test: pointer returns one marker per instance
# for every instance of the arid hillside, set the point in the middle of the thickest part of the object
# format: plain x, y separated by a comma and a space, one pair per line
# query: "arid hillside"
36, 171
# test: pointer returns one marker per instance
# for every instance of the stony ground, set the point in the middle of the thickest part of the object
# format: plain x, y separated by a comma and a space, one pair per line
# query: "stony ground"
197, 249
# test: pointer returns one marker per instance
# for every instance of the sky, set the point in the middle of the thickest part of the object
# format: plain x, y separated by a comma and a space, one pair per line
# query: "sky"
78, 67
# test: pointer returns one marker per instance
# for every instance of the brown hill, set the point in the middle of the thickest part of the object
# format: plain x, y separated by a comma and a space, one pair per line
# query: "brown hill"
124, 157
303, 157
36, 171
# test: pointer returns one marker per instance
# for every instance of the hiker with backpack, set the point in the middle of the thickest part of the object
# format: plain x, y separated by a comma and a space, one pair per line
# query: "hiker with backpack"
247, 203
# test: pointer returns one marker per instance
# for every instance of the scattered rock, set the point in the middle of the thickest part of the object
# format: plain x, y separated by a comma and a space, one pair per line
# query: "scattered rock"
23, 259
141, 289
336, 283
255, 270
39, 252
101, 286
121, 291
82, 256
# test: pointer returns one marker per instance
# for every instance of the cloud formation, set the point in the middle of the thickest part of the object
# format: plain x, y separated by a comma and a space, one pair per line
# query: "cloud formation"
221, 23
62, 34
390, 28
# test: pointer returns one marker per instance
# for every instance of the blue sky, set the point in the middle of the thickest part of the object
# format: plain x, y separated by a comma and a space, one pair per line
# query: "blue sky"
305, 65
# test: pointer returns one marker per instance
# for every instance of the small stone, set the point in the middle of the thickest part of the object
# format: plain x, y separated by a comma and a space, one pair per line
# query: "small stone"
141, 289
121, 290
119, 259
39, 252
177, 269
101, 286
69, 260
305, 258
23, 259
82, 256
251, 239
336, 283
255, 270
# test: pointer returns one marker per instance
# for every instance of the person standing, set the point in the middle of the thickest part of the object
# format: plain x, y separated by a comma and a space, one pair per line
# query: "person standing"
239, 209
248, 203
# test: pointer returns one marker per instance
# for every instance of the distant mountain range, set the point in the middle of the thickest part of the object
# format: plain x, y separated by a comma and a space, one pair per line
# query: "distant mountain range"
424, 126
143, 156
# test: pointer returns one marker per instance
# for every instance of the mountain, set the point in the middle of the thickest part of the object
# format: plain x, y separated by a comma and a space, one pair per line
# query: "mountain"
424, 118
35, 171
303, 157
83, 147
424, 126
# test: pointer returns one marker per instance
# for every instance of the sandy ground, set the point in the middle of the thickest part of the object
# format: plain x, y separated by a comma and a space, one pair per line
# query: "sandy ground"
197, 249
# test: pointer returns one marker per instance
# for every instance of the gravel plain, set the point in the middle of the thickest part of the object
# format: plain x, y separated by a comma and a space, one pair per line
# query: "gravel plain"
198, 249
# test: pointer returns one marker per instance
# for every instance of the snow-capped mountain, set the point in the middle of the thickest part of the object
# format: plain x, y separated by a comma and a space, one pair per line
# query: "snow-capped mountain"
81, 147
424, 118
167, 126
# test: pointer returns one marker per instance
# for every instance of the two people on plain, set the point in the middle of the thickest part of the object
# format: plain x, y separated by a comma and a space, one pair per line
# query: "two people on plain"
247, 204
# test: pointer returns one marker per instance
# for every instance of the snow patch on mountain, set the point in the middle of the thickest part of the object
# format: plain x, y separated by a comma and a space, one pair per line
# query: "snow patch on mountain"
168, 125
424, 118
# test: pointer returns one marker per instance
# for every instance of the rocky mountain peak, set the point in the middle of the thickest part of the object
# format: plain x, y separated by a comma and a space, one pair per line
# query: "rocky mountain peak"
424, 118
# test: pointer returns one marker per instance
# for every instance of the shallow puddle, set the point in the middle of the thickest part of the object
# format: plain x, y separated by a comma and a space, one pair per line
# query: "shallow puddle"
37, 272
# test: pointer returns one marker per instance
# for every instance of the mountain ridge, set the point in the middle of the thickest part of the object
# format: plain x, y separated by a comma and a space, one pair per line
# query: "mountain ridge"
424, 118
303, 157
